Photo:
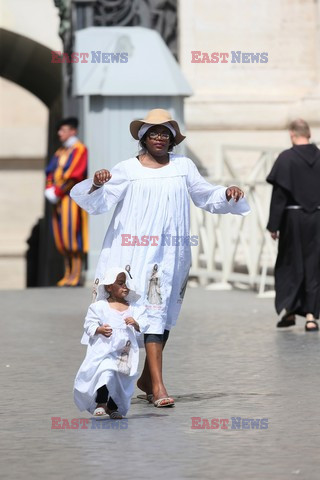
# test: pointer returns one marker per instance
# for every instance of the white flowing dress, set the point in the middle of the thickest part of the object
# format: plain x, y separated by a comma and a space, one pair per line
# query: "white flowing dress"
153, 202
111, 361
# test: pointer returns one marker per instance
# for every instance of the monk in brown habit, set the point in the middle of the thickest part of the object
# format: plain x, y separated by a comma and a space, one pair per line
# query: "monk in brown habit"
295, 220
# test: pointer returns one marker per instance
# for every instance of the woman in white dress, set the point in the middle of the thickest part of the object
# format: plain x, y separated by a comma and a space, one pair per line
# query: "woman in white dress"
150, 226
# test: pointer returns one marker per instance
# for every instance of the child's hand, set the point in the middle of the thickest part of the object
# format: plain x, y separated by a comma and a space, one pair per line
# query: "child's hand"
131, 321
105, 330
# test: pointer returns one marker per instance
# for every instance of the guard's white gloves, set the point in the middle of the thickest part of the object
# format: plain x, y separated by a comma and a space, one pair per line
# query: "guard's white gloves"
50, 195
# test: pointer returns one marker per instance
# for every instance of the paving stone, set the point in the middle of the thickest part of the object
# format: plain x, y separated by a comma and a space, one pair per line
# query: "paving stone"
224, 359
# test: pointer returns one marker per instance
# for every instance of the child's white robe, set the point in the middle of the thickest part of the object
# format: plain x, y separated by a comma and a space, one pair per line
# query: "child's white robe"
153, 202
101, 364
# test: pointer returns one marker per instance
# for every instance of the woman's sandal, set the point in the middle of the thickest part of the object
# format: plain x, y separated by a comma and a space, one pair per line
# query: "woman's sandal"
164, 402
148, 397
100, 413
315, 328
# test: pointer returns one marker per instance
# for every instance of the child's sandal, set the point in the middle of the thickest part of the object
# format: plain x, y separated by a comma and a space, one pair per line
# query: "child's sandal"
115, 415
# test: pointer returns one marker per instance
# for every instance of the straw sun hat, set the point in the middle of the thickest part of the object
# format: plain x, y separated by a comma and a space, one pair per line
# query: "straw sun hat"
158, 116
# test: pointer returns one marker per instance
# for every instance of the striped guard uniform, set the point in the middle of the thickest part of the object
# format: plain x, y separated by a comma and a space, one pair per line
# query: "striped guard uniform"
67, 167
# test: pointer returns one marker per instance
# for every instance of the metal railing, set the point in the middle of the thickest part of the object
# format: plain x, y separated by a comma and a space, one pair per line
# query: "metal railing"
234, 249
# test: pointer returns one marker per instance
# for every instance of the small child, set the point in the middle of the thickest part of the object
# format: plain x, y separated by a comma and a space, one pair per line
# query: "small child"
105, 381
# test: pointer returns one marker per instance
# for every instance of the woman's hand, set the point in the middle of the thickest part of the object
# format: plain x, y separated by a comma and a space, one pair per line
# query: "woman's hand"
104, 330
234, 192
131, 321
99, 179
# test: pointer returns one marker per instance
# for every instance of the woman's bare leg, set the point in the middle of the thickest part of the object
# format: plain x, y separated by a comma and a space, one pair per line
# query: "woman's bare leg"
154, 357
144, 383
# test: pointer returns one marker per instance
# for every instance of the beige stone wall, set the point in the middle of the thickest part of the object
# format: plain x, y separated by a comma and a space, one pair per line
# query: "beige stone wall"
242, 104
35, 19
23, 139
21, 205
23, 123
250, 102
23, 118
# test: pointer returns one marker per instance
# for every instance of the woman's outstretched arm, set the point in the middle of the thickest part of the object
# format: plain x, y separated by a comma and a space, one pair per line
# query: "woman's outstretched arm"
95, 199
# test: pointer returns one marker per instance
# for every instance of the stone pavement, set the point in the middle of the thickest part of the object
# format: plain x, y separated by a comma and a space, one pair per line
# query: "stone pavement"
224, 359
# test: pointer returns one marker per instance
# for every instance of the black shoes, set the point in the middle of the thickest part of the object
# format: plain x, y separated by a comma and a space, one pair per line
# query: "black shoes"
287, 320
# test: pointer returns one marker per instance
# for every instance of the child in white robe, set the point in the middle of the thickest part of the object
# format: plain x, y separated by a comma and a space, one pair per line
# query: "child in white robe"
105, 381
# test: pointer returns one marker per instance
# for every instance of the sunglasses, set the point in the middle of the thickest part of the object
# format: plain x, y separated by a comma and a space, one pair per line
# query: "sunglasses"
162, 135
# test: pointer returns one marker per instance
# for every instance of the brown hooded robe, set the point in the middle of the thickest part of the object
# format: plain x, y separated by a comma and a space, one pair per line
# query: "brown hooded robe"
295, 177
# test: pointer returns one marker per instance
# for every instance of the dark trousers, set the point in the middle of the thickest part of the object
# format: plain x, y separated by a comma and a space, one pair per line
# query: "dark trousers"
103, 397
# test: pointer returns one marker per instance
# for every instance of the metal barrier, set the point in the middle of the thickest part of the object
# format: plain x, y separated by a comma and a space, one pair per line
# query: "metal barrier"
234, 249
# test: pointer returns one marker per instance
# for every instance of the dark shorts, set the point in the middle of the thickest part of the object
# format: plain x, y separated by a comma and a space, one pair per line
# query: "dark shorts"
156, 337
